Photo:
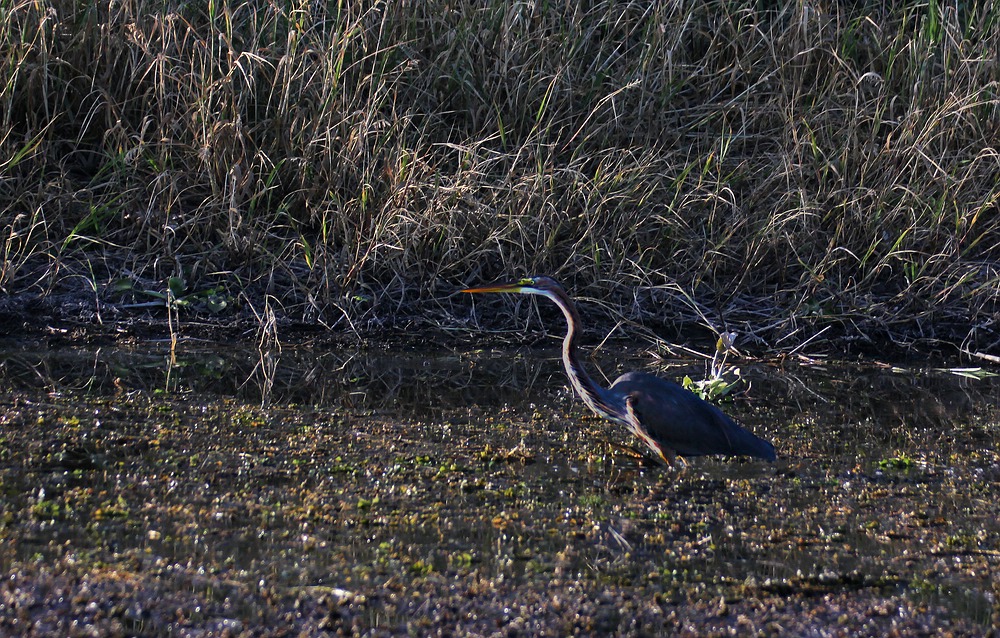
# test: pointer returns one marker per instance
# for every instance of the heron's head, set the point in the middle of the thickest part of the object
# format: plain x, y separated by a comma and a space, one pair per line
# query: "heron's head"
529, 286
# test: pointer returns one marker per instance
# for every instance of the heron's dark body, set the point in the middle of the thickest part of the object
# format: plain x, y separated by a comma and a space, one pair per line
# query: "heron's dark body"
688, 425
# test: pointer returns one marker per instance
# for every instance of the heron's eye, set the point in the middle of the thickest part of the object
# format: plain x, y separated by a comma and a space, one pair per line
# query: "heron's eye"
526, 282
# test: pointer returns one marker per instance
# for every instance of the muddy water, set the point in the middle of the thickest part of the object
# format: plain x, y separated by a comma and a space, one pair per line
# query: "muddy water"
226, 490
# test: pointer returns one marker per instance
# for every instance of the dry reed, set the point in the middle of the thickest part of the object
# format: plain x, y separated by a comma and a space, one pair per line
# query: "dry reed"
793, 166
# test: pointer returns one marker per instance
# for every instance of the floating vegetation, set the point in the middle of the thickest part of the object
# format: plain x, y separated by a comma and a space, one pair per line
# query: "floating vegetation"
196, 509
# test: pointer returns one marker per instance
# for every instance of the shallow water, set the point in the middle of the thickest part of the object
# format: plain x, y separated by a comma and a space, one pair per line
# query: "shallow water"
466, 484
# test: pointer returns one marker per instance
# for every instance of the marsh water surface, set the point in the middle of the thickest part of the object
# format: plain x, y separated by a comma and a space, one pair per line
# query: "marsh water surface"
227, 490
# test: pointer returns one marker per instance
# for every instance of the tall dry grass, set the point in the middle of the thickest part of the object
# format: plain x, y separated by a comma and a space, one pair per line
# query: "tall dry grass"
779, 168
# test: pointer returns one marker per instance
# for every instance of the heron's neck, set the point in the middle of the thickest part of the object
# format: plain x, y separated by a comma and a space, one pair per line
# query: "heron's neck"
597, 398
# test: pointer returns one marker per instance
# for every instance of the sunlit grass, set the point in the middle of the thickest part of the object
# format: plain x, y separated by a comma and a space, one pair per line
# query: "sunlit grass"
798, 167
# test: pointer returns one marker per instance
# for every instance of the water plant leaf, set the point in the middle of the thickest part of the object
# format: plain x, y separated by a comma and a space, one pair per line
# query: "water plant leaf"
901, 462
176, 287
969, 373
122, 285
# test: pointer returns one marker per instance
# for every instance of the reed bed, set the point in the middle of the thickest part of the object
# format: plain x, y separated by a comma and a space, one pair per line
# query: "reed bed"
787, 170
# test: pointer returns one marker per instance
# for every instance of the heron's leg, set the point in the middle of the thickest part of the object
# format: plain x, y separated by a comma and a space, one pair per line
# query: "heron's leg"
668, 455
670, 458
637, 452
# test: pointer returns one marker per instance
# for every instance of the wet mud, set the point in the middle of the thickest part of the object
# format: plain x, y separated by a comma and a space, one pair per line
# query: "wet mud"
229, 492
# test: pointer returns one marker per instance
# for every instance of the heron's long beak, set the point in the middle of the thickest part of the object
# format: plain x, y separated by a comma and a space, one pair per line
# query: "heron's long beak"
514, 287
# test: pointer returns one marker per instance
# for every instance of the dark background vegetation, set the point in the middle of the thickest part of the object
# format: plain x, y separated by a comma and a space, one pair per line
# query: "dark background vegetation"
792, 170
